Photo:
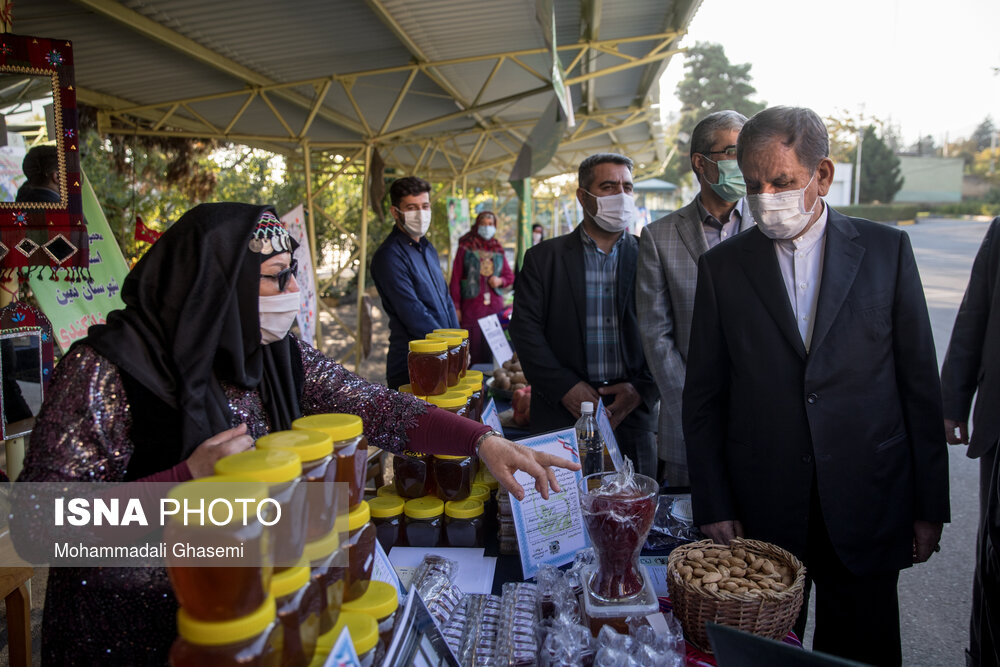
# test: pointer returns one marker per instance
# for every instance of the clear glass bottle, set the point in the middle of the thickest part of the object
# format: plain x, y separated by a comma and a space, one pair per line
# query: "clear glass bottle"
589, 440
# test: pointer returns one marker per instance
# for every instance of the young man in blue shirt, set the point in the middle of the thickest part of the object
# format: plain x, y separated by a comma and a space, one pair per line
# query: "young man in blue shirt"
408, 277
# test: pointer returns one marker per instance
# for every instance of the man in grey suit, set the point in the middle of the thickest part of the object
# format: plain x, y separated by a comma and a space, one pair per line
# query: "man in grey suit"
668, 271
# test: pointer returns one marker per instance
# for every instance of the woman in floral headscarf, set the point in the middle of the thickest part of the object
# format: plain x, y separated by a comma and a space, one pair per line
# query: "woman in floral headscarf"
199, 364
479, 273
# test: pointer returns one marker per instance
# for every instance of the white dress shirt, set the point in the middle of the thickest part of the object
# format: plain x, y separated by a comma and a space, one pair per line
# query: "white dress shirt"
801, 264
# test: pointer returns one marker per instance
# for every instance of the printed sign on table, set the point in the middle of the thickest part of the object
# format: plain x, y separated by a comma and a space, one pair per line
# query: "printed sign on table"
550, 532
491, 417
496, 338
343, 654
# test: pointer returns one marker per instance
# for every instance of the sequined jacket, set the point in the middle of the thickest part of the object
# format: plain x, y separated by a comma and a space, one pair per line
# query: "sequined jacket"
126, 616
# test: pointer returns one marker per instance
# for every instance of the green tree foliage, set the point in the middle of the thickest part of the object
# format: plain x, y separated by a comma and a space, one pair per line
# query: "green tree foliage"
880, 170
983, 134
711, 83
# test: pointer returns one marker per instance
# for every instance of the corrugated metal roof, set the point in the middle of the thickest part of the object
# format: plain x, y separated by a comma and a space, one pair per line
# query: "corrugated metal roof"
145, 52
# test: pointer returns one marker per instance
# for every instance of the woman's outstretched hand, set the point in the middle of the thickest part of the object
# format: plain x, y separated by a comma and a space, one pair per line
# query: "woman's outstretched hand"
504, 458
201, 463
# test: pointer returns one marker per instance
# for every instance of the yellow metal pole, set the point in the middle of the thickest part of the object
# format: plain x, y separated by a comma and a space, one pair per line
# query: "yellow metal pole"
363, 258
311, 227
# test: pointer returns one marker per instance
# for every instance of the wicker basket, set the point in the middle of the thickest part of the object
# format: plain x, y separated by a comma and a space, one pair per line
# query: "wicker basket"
771, 615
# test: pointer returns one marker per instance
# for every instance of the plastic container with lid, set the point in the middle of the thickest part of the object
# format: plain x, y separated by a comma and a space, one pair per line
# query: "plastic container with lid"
319, 471
387, 490
423, 522
364, 636
328, 569
464, 333
299, 607
456, 358
413, 475
463, 523
208, 592
360, 551
387, 516
452, 401
427, 363
350, 448
380, 602
254, 640
474, 390
454, 475
408, 389
281, 471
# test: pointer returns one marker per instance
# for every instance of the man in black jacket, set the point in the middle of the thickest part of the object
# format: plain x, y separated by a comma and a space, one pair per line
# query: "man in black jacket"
811, 409
972, 365
574, 325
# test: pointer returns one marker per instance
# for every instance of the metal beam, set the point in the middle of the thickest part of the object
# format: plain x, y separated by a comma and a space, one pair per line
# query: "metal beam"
192, 49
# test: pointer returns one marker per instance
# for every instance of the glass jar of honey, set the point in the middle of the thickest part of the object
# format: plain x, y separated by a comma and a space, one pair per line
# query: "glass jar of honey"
319, 471
474, 381
281, 471
422, 521
350, 448
360, 551
387, 516
299, 608
380, 602
206, 591
455, 356
408, 389
464, 333
328, 570
254, 640
413, 475
453, 476
363, 630
387, 490
463, 523
452, 401
428, 366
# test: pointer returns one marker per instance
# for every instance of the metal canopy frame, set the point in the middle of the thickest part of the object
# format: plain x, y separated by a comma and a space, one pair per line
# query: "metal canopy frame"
477, 141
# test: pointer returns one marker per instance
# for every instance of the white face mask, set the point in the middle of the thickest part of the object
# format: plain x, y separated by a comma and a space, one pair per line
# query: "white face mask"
486, 232
536, 238
277, 313
416, 223
614, 212
782, 215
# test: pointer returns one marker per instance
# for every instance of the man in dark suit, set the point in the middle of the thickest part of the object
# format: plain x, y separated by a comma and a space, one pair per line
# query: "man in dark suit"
971, 365
574, 324
811, 408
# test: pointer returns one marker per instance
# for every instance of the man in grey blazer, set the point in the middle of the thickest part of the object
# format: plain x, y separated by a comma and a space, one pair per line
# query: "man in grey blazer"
668, 271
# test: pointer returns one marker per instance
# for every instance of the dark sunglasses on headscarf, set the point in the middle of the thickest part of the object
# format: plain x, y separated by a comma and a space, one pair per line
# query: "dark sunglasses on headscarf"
283, 276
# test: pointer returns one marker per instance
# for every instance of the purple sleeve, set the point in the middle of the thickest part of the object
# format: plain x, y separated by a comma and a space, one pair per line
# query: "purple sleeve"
393, 421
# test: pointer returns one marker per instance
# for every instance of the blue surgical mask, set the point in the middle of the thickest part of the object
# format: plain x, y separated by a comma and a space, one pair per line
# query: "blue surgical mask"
731, 186
486, 231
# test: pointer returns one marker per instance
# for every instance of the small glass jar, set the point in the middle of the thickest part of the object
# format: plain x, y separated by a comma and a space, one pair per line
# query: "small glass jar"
363, 630
466, 390
387, 516
413, 475
454, 475
463, 523
281, 471
455, 356
464, 333
481, 492
475, 392
299, 608
452, 401
328, 570
207, 592
387, 490
254, 640
423, 521
350, 448
475, 381
319, 471
428, 366
360, 551
380, 602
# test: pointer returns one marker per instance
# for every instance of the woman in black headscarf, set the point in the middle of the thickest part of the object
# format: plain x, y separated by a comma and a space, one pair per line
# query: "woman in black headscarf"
197, 365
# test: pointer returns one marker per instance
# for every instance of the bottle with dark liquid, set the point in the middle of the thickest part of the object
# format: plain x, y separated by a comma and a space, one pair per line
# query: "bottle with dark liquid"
589, 440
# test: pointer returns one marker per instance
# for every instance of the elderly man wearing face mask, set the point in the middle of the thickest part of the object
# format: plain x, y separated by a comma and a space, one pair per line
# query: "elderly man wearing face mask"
812, 405
408, 277
574, 324
668, 271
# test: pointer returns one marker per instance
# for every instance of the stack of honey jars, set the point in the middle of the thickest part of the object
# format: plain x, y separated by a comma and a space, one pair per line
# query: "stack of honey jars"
438, 365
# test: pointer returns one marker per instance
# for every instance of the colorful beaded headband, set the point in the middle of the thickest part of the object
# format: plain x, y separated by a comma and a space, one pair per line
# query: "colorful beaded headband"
270, 236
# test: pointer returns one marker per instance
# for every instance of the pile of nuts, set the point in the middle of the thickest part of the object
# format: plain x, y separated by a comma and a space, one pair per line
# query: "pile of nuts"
734, 571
